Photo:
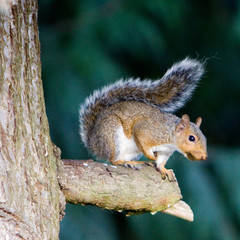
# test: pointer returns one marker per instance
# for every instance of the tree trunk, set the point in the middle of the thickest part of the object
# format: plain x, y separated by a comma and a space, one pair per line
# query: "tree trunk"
29, 191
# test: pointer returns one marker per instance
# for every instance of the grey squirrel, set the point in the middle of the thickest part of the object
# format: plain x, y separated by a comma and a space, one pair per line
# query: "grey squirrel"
129, 118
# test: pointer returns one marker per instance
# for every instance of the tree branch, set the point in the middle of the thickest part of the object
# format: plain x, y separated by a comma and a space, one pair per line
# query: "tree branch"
120, 188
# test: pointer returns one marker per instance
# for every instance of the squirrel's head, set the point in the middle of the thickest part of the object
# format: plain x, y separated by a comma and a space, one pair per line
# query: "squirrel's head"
190, 139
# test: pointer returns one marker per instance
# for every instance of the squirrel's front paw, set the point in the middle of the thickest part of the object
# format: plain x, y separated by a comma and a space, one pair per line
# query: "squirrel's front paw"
167, 172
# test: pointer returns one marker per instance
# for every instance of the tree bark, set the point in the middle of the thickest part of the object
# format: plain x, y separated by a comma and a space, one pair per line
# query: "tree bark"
117, 187
29, 191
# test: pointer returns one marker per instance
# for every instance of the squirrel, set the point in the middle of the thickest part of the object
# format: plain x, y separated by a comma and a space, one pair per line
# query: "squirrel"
129, 118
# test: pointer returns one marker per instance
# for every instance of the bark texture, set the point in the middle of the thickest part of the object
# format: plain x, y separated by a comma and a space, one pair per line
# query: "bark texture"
117, 187
29, 191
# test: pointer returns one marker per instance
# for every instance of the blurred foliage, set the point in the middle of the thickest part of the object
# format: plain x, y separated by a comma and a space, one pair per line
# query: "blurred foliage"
87, 44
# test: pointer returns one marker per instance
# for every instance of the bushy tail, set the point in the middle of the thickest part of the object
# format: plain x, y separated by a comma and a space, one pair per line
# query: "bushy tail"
168, 94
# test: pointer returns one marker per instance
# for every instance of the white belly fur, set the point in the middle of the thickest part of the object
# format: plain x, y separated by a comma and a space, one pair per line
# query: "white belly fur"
127, 149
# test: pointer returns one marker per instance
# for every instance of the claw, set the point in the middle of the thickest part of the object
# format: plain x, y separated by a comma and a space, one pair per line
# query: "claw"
150, 164
133, 166
138, 167
171, 176
167, 172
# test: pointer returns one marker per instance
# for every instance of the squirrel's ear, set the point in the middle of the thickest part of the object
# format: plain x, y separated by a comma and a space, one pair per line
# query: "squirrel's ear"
184, 123
198, 122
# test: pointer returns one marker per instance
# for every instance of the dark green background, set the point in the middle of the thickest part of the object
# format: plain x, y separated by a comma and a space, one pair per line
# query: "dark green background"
87, 44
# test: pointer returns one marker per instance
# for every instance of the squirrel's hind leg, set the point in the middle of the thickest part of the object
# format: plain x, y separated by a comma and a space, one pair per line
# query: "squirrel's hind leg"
144, 146
103, 139
132, 164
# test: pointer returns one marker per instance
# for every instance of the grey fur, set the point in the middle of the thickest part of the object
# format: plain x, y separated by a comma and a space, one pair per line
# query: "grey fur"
177, 85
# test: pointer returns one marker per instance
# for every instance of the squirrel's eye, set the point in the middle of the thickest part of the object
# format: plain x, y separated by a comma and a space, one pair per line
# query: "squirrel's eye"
191, 138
